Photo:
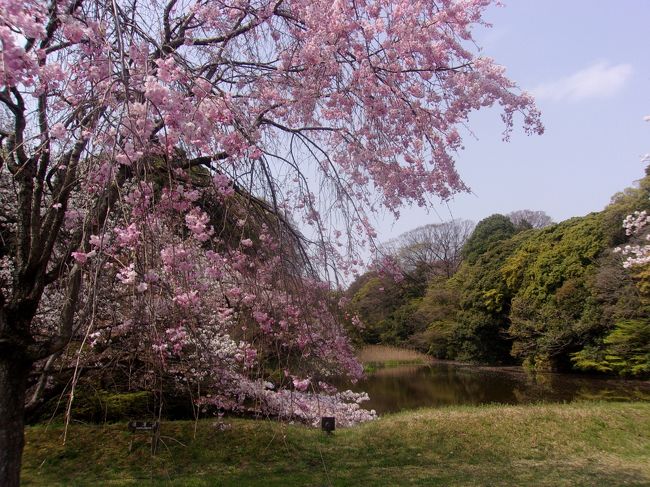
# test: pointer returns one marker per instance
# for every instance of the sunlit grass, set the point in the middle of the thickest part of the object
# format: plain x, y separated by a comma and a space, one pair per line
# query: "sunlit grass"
375, 356
595, 444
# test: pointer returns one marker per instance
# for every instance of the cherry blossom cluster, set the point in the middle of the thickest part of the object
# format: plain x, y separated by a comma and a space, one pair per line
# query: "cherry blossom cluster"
635, 226
295, 405
191, 180
637, 255
6, 271
634, 223
206, 314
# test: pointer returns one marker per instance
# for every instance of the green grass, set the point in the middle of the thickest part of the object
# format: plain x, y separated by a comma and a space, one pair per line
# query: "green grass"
580, 444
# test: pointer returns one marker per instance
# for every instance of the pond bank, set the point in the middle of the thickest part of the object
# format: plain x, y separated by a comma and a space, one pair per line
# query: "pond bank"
435, 383
595, 444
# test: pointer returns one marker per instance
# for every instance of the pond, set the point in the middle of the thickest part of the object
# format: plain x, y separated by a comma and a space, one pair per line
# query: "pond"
393, 389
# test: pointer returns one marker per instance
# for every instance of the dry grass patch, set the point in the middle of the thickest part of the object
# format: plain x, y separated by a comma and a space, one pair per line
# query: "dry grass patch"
382, 354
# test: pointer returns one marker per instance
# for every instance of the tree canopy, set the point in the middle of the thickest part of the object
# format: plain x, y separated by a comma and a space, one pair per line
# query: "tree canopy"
530, 219
488, 231
560, 297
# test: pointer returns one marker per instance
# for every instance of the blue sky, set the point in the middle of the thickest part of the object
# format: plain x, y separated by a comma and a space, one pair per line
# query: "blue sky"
587, 63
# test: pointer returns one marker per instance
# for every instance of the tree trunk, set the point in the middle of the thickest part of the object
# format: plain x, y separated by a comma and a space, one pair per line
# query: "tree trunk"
14, 371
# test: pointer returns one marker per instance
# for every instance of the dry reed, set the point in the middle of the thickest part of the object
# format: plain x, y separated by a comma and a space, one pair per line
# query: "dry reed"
384, 353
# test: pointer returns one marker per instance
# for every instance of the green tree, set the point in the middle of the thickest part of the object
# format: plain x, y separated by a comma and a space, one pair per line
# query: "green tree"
625, 350
483, 320
488, 232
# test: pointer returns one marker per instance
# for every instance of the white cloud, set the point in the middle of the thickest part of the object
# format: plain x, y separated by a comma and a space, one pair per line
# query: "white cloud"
597, 81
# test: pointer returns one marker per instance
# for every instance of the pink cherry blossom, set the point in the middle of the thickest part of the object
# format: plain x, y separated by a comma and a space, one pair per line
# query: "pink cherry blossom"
301, 385
58, 131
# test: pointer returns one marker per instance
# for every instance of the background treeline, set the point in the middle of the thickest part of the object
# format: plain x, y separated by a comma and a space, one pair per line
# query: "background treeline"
516, 289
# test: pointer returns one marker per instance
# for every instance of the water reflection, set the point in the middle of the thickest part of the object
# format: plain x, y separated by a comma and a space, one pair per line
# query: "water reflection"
440, 384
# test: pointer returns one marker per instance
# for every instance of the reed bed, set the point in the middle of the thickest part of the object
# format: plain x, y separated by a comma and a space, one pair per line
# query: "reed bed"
383, 354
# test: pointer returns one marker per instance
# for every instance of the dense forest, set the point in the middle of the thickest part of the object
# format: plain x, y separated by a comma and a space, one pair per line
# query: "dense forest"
517, 289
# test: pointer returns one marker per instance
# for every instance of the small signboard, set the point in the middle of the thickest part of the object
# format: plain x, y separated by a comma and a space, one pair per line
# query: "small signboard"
146, 426
328, 423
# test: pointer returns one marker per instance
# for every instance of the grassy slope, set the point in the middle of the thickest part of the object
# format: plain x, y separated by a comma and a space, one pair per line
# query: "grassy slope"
556, 445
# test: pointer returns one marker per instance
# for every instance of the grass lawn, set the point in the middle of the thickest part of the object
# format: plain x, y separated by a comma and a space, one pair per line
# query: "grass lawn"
580, 444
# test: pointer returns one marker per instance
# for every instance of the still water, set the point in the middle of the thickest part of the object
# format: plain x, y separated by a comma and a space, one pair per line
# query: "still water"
394, 389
